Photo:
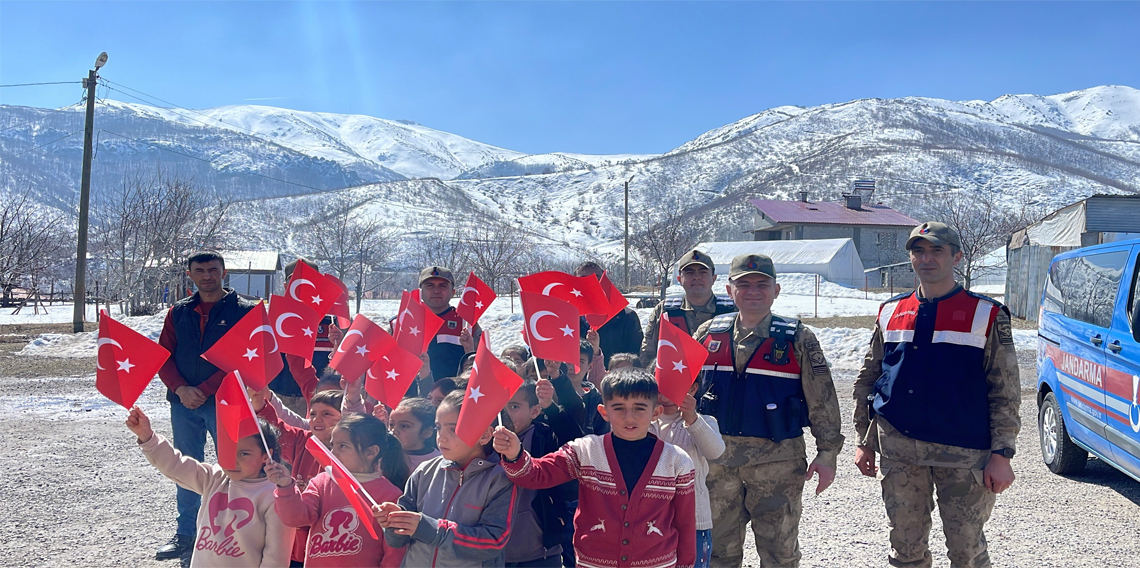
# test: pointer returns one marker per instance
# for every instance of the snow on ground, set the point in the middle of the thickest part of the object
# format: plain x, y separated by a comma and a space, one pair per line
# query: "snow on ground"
83, 344
799, 284
56, 313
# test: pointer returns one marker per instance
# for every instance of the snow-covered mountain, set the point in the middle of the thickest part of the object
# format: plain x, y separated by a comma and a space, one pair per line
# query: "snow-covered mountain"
1044, 151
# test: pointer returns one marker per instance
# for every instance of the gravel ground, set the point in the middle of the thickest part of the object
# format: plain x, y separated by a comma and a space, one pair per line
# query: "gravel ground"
78, 492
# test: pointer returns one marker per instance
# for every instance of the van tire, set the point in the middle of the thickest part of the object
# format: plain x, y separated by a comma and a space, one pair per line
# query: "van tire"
1058, 451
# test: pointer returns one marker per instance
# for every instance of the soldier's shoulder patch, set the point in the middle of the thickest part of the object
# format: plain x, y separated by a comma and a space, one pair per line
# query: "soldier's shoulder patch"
818, 363
722, 323
1004, 332
812, 344
714, 346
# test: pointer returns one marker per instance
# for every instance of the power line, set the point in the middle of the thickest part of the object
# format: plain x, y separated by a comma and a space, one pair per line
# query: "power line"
170, 104
37, 84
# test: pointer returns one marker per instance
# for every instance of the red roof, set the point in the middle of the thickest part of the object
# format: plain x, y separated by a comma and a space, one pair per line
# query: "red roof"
831, 213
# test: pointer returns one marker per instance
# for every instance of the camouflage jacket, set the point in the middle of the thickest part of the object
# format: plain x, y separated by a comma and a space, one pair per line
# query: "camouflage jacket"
819, 393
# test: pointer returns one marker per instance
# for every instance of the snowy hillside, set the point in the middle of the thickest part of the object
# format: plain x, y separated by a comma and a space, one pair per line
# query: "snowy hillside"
1018, 151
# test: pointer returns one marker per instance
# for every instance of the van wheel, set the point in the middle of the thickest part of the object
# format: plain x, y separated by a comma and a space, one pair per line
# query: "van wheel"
1061, 455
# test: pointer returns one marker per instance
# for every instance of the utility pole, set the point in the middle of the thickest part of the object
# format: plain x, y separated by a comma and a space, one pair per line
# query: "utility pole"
627, 233
80, 288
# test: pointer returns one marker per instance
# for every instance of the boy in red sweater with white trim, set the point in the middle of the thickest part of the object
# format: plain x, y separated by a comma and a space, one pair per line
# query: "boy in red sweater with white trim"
636, 500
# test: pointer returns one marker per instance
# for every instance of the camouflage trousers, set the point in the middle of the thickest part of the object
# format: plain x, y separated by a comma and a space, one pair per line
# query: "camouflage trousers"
964, 504
768, 495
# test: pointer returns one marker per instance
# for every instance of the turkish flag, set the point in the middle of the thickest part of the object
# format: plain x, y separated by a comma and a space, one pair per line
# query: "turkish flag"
313, 288
617, 303
340, 308
235, 419
491, 385
249, 347
362, 344
353, 490
415, 325
126, 361
551, 327
679, 361
294, 326
475, 299
584, 292
389, 378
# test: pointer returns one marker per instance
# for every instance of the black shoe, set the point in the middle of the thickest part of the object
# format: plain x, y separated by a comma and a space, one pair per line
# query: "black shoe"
174, 548
184, 560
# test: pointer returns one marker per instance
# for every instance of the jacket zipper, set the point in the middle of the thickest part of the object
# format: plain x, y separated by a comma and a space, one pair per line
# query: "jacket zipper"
447, 512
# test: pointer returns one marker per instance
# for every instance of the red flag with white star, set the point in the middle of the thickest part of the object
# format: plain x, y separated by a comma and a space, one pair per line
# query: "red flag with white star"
679, 361
551, 327
617, 303
491, 386
249, 347
584, 292
390, 376
235, 419
125, 362
361, 345
293, 325
416, 324
316, 290
357, 496
474, 300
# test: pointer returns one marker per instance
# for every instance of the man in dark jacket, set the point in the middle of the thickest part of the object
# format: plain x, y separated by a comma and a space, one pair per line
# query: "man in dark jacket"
192, 326
622, 334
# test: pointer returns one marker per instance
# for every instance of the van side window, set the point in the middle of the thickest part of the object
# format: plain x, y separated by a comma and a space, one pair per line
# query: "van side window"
1084, 287
1134, 295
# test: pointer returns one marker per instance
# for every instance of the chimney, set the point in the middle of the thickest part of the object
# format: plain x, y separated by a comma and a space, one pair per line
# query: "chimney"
854, 201
803, 196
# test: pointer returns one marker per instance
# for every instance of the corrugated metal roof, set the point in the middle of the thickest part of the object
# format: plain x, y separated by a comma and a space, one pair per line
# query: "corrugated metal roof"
251, 260
830, 213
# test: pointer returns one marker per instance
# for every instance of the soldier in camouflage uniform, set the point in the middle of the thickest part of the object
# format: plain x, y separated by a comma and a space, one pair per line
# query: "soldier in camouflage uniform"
938, 398
765, 380
696, 273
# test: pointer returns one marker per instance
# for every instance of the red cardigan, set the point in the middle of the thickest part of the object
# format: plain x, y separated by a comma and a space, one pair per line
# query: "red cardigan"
653, 526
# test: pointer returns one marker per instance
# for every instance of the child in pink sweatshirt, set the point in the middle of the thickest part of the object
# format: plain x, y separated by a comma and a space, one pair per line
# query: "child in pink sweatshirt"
237, 527
337, 535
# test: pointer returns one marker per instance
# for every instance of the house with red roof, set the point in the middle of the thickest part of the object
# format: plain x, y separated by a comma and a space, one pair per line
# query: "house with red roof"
878, 231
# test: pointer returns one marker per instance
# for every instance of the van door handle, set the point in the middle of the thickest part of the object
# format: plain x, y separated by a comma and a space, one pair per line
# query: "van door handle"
1096, 340
1115, 346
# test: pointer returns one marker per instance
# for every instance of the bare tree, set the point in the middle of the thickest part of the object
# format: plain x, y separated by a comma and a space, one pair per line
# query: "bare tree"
663, 235
497, 250
32, 241
350, 245
143, 230
982, 225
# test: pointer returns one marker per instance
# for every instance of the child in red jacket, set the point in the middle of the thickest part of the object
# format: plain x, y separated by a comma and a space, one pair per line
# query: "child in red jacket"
636, 500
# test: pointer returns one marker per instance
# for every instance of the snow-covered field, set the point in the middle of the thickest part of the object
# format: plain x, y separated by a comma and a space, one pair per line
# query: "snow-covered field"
56, 313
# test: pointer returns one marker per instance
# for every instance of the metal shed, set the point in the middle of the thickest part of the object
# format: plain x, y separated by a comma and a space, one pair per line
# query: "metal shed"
252, 273
1095, 220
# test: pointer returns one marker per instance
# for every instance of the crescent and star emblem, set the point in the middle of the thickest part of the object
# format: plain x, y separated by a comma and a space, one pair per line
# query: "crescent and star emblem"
265, 329
661, 343
296, 284
281, 319
463, 296
340, 348
549, 287
99, 345
534, 323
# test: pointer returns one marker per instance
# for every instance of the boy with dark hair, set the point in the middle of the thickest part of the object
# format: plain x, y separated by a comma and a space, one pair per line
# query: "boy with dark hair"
637, 494
590, 421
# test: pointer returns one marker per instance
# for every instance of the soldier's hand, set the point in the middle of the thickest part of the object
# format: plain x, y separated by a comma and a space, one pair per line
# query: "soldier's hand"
998, 474
865, 461
826, 475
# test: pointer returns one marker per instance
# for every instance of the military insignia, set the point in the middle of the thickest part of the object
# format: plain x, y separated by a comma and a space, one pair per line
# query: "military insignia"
818, 363
696, 255
435, 272
811, 344
1005, 333
452, 324
779, 354
714, 346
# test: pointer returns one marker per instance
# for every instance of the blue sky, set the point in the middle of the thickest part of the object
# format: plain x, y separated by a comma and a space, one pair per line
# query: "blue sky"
577, 77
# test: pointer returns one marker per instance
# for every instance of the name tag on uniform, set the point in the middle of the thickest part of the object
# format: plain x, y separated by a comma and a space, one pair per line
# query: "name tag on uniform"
714, 346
